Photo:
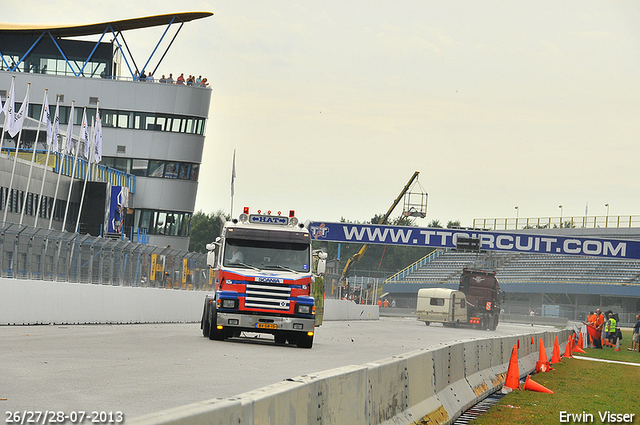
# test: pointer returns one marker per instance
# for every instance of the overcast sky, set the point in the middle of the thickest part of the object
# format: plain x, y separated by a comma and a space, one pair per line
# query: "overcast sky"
332, 105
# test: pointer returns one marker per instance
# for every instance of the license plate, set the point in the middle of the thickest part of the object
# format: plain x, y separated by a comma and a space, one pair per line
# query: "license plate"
266, 326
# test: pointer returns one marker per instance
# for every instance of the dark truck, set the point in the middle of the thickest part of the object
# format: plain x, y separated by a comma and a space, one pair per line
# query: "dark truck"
476, 303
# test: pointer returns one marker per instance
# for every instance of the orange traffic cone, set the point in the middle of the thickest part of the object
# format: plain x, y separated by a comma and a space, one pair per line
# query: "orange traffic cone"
531, 385
567, 351
577, 349
513, 373
555, 358
542, 365
580, 343
617, 344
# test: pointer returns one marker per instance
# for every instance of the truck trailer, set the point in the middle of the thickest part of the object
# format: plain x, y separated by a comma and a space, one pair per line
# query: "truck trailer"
476, 303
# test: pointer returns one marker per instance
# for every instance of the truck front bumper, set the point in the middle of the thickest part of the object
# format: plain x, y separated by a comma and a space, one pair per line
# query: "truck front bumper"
265, 324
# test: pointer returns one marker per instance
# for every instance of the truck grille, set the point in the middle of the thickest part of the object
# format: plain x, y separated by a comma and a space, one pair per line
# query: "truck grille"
267, 296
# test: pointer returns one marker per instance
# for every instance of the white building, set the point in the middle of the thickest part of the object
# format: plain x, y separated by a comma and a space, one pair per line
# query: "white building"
153, 132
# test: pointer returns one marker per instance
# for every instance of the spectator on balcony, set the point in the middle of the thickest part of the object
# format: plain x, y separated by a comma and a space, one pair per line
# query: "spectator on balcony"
163, 79
180, 79
170, 79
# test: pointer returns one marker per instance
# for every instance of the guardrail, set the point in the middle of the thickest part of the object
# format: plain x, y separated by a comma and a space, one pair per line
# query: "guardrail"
413, 267
431, 386
39, 254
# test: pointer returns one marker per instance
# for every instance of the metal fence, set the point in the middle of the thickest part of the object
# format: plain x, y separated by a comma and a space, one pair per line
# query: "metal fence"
584, 222
33, 253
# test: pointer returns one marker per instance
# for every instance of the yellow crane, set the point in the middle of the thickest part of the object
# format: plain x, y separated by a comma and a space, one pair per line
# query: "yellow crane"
358, 255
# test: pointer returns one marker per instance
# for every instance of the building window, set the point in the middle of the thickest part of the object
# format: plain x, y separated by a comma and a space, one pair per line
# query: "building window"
139, 167
183, 174
156, 168
195, 168
153, 168
125, 119
171, 170
169, 223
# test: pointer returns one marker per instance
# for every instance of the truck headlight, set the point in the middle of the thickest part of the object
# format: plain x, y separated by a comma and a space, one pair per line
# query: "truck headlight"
228, 303
304, 309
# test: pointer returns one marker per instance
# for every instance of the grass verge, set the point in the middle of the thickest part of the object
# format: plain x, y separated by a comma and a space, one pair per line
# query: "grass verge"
581, 387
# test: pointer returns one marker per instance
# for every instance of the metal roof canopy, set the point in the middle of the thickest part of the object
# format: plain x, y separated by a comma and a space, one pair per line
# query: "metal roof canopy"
115, 27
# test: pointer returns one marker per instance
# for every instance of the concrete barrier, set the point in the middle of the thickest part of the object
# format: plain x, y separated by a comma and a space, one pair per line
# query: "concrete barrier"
430, 386
348, 310
28, 302
31, 302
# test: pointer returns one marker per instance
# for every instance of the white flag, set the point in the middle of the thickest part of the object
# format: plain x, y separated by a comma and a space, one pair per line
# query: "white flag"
56, 128
8, 109
15, 125
84, 134
97, 145
89, 149
70, 143
233, 171
46, 118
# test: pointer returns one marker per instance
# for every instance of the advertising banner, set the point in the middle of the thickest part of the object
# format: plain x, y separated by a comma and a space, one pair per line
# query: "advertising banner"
490, 240
117, 208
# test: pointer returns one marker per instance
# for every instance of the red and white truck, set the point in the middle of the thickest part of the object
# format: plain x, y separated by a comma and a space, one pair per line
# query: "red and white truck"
265, 280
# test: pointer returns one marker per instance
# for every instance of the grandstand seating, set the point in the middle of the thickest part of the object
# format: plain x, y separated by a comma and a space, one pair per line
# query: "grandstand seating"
528, 268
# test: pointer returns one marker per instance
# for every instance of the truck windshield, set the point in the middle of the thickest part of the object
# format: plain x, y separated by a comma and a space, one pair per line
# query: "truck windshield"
269, 255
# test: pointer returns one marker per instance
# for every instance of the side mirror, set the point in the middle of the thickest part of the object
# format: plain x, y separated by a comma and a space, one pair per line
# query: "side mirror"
322, 266
212, 246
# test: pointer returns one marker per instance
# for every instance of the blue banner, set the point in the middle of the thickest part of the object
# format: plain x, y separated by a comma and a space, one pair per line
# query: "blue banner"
490, 241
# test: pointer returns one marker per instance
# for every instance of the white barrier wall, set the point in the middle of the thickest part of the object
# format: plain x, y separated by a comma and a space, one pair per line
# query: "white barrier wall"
39, 302
431, 386
29, 302
349, 310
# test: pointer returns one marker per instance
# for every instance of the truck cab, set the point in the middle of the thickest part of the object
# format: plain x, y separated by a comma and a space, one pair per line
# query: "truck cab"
262, 267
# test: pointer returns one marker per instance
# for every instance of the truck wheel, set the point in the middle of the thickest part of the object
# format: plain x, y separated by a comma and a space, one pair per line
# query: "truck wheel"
494, 323
204, 324
280, 339
427, 323
305, 341
214, 333
484, 323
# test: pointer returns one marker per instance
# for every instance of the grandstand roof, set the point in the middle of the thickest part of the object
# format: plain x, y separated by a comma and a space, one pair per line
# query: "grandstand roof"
98, 28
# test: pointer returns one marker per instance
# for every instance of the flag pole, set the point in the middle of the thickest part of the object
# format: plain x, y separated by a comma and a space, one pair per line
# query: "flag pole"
54, 133
45, 106
233, 177
73, 172
88, 153
62, 155
24, 108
